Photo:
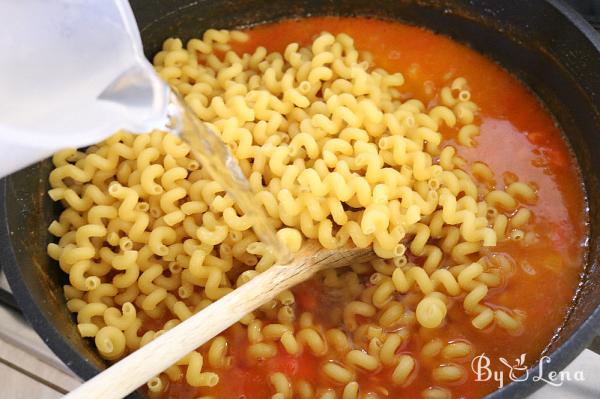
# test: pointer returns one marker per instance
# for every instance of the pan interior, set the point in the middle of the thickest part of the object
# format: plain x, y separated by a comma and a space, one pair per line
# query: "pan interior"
559, 65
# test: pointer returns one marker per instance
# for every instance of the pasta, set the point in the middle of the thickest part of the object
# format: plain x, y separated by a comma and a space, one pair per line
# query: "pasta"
334, 152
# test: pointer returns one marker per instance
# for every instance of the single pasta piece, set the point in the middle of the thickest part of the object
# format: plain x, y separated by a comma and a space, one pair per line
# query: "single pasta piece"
155, 385
304, 390
456, 350
436, 393
351, 390
338, 373
432, 348
110, 342
406, 364
448, 373
281, 384
194, 374
362, 360
431, 312
466, 135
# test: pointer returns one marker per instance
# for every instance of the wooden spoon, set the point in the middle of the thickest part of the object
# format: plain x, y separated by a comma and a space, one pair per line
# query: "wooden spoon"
136, 369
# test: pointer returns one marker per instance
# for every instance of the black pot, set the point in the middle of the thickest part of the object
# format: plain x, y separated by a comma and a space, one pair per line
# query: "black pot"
544, 43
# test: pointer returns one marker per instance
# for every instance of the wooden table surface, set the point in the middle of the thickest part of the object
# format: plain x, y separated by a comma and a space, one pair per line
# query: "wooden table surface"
28, 369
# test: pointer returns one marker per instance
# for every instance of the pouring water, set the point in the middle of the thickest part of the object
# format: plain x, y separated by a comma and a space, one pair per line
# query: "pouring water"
78, 73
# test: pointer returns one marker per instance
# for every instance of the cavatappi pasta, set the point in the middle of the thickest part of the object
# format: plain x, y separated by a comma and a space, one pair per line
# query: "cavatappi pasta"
335, 151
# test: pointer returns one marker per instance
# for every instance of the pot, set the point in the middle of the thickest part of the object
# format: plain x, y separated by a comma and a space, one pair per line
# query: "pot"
544, 43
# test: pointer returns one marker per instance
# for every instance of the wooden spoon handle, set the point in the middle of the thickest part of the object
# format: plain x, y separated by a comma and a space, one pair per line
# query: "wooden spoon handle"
136, 369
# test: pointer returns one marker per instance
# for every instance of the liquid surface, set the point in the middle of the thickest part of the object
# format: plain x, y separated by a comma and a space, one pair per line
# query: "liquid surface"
517, 137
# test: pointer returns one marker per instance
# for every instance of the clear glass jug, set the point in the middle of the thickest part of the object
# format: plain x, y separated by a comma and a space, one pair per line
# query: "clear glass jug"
61, 60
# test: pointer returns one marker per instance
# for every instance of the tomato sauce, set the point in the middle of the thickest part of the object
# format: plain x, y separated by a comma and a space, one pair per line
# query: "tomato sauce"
518, 136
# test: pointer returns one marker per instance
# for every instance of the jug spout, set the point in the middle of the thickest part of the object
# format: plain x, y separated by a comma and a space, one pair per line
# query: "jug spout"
137, 100
80, 50
143, 96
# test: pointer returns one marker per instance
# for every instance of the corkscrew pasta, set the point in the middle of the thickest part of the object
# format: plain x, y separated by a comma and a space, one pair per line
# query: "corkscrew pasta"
335, 151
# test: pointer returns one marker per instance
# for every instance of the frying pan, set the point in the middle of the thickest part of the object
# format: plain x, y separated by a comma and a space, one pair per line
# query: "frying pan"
544, 43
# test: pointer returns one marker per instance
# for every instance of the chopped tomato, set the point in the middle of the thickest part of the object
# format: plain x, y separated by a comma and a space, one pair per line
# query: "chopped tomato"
307, 295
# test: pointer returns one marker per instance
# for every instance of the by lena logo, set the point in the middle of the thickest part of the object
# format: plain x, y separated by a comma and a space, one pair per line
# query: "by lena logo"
517, 371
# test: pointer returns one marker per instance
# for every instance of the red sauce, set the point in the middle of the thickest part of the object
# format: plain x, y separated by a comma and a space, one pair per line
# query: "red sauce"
517, 136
